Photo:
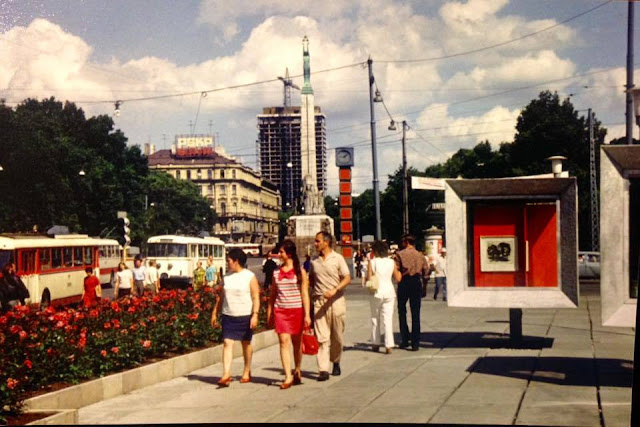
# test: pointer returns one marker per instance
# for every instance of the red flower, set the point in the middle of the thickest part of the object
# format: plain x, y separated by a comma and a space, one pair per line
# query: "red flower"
193, 316
3, 320
146, 343
15, 329
28, 364
93, 313
115, 323
82, 343
11, 383
60, 324
115, 350
132, 309
22, 335
103, 353
115, 307
107, 325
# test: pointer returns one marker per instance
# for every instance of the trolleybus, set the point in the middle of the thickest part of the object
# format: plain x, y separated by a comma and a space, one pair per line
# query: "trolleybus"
52, 267
177, 256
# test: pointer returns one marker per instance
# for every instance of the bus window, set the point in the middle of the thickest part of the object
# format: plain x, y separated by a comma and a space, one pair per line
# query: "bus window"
203, 251
5, 258
56, 257
218, 251
77, 256
193, 251
45, 259
159, 250
27, 262
88, 256
67, 256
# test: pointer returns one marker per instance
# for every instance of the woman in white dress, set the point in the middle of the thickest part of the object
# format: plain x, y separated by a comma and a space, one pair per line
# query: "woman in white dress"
384, 300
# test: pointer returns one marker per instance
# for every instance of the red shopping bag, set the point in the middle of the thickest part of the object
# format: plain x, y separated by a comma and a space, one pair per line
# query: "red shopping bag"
309, 342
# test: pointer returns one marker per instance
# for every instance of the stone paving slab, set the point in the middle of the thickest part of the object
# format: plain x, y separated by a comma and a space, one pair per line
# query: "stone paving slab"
467, 372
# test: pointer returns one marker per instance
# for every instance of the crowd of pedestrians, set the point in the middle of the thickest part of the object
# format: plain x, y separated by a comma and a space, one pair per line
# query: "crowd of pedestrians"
312, 295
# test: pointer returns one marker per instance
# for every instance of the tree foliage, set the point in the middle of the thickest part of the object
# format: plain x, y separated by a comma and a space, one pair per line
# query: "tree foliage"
44, 146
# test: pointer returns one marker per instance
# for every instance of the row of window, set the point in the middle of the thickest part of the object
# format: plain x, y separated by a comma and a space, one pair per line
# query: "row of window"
54, 258
200, 175
178, 250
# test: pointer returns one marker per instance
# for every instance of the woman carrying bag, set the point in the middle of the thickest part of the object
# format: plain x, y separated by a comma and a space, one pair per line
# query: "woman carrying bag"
383, 300
288, 309
240, 301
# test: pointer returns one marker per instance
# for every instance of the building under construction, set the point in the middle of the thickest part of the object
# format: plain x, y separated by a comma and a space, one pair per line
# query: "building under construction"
278, 148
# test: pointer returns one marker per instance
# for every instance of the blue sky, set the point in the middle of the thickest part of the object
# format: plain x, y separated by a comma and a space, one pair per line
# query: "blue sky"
94, 52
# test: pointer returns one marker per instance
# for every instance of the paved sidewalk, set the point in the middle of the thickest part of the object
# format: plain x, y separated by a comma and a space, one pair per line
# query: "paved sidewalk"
569, 371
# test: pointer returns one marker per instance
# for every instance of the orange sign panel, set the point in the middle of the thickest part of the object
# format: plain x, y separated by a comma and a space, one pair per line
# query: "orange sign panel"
346, 227
345, 213
345, 200
345, 187
344, 174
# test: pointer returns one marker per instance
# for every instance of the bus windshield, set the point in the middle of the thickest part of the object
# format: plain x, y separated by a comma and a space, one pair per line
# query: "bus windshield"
5, 257
166, 250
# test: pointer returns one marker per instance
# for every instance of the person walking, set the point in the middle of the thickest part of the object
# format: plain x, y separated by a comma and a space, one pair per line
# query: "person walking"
384, 300
268, 267
412, 270
441, 274
329, 276
210, 273
289, 310
240, 302
124, 281
199, 275
92, 291
152, 278
138, 277
13, 291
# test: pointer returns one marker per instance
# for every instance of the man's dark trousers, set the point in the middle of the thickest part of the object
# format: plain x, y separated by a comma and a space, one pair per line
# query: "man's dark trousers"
410, 289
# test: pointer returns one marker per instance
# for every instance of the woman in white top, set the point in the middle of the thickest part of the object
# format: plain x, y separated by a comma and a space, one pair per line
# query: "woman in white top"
384, 300
240, 301
124, 281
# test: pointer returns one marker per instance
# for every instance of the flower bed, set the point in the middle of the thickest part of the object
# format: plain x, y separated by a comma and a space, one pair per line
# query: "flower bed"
41, 348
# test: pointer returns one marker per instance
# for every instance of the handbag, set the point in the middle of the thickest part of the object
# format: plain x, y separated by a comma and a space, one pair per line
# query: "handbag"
309, 342
373, 283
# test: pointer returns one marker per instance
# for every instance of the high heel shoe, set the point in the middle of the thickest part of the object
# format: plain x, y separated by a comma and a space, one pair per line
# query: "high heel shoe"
286, 385
224, 382
244, 380
297, 378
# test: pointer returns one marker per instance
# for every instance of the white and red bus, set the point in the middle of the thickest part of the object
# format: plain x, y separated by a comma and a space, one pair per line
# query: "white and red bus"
110, 257
251, 249
52, 268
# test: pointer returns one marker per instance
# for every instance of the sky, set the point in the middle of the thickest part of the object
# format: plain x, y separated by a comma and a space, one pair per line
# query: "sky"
457, 71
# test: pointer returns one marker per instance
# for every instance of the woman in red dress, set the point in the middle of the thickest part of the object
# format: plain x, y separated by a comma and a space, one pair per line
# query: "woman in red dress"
92, 290
289, 310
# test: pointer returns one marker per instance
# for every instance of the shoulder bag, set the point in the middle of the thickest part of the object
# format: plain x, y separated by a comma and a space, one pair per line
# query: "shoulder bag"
373, 283
309, 342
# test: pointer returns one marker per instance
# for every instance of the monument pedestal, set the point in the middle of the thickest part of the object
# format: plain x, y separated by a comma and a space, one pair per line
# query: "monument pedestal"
302, 229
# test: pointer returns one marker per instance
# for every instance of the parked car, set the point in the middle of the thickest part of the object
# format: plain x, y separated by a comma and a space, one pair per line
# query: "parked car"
589, 265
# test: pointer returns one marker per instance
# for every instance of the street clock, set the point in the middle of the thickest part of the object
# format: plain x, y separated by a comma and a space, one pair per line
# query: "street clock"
344, 156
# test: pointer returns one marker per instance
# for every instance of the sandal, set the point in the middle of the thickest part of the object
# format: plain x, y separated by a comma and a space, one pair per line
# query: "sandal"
286, 385
247, 379
224, 382
297, 378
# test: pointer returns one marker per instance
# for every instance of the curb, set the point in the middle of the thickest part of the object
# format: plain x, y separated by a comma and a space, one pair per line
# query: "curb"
94, 391
64, 417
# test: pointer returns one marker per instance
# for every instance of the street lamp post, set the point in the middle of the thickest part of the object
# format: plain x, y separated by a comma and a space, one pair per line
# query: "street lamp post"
374, 156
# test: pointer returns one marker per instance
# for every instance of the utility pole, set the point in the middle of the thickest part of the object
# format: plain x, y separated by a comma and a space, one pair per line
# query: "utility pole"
629, 98
595, 215
374, 156
405, 191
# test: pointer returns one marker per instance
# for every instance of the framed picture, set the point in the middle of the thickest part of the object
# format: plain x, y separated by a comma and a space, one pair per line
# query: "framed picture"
498, 254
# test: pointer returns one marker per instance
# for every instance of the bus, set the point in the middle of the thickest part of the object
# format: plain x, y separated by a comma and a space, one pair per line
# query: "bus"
177, 256
110, 257
251, 249
52, 267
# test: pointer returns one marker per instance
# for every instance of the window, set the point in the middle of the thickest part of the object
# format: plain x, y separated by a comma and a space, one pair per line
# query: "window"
223, 190
218, 251
27, 261
177, 174
222, 173
210, 174
77, 256
203, 251
67, 257
188, 175
167, 250
56, 258
233, 189
223, 208
88, 256
45, 259
199, 174
193, 251
233, 174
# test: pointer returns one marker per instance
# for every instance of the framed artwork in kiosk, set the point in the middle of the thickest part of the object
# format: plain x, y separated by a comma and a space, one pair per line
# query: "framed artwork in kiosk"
498, 253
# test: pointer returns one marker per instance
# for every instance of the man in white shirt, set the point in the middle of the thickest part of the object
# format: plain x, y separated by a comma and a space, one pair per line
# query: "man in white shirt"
151, 278
138, 277
441, 274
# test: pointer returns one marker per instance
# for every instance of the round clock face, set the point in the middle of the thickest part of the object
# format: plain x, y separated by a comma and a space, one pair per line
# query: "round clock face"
343, 157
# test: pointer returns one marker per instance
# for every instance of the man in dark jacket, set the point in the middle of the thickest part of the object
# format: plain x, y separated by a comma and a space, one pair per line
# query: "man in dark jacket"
12, 289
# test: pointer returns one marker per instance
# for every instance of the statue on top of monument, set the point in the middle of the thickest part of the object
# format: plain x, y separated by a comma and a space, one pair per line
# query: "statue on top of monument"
313, 200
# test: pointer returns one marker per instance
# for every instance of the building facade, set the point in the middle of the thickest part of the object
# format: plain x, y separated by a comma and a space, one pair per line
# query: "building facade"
246, 203
279, 145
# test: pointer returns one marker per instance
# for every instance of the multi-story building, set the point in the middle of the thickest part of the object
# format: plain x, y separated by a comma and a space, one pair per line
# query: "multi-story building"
246, 203
278, 148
